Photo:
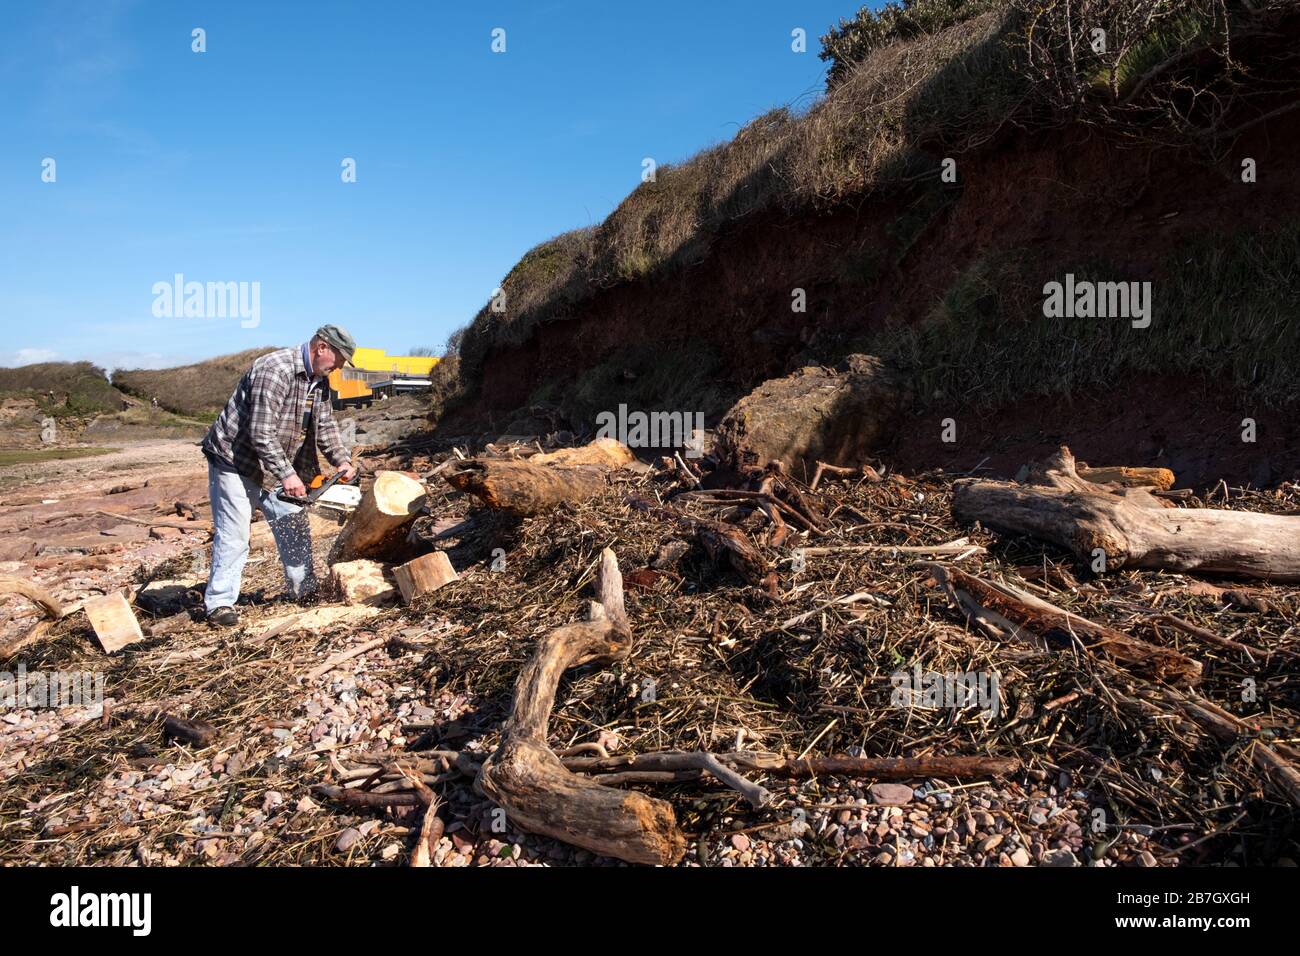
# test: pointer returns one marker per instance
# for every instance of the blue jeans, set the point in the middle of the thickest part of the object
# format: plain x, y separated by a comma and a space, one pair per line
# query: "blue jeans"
232, 498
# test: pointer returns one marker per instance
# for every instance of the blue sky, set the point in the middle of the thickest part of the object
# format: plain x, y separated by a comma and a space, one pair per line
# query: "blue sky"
224, 166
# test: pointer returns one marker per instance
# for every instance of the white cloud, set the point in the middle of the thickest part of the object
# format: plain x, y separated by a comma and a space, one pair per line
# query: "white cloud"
27, 357
137, 360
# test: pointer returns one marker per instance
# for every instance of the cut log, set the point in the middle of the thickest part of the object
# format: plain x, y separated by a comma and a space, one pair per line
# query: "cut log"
1008, 612
542, 482
426, 573
1132, 529
523, 488
1161, 478
114, 623
378, 527
362, 582
527, 779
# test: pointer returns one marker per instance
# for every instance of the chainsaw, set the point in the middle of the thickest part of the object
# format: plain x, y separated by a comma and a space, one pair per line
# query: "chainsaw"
309, 499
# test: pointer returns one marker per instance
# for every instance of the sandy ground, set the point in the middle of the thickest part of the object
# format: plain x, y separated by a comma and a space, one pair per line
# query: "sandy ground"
60, 527
144, 459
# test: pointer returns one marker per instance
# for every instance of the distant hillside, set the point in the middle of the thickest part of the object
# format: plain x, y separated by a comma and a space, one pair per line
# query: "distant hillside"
80, 388
198, 391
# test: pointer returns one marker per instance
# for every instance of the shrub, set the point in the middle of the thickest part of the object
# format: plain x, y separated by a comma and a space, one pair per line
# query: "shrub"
870, 30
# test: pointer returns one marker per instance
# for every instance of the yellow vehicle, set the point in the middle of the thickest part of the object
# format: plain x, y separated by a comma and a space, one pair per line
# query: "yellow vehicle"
352, 386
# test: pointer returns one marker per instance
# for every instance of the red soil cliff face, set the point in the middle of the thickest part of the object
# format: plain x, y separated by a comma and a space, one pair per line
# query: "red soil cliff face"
1062, 198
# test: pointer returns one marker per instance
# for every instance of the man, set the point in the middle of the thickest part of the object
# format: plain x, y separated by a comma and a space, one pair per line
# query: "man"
268, 434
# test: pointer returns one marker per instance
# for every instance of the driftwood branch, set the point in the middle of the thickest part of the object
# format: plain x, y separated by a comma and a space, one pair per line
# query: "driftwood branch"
721, 542
1132, 529
527, 779
1006, 611
43, 599
882, 768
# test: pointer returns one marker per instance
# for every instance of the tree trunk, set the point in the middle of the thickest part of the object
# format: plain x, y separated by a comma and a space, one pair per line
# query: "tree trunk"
1130, 527
378, 528
523, 488
544, 481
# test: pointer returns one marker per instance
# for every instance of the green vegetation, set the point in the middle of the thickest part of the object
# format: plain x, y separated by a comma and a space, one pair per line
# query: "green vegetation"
988, 342
80, 388
863, 135
50, 454
641, 376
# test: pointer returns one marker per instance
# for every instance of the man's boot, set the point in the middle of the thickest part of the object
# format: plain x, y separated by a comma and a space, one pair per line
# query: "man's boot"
223, 617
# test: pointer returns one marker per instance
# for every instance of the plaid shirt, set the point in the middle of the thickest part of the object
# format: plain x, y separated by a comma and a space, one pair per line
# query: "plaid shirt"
260, 432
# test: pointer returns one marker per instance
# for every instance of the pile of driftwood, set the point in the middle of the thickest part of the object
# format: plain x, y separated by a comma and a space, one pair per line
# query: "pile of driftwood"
776, 611
1111, 519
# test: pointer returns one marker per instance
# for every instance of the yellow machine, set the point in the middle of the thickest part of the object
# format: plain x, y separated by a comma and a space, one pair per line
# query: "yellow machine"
352, 386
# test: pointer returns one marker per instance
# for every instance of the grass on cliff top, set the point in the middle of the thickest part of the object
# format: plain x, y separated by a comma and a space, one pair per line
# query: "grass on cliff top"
878, 127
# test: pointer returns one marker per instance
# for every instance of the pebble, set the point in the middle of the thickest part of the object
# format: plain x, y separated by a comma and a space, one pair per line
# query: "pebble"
1020, 857
1059, 858
989, 843
347, 839
891, 794
740, 842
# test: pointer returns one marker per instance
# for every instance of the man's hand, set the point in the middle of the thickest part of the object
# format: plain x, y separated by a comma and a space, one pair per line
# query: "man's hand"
293, 486
347, 471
